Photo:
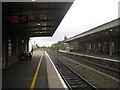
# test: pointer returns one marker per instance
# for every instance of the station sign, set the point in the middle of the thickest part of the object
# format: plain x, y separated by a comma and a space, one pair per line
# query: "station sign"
18, 19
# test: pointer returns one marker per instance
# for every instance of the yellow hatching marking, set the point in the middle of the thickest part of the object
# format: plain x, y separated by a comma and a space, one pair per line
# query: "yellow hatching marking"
36, 74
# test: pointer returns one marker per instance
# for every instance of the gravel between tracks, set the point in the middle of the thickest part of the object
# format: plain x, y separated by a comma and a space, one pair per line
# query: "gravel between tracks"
97, 78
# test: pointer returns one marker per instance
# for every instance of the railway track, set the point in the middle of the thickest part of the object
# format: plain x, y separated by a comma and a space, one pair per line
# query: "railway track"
71, 78
106, 69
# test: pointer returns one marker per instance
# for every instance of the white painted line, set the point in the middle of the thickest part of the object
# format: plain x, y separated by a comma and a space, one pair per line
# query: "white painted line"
63, 83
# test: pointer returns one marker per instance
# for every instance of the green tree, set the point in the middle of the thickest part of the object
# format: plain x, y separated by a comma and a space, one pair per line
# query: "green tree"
59, 45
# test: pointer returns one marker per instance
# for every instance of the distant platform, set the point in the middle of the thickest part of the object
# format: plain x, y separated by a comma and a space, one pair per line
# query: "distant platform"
100, 56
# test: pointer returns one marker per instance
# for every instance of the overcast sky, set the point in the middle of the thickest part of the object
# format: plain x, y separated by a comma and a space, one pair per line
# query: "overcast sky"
82, 16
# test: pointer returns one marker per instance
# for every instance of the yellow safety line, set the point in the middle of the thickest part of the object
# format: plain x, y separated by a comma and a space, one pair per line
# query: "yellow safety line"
36, 74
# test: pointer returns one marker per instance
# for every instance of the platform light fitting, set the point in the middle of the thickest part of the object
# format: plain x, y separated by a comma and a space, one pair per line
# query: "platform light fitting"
9, 40
38, 24
22, 41
33, 0
111, 30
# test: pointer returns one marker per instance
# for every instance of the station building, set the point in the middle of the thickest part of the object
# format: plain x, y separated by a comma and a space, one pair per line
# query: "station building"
104, 39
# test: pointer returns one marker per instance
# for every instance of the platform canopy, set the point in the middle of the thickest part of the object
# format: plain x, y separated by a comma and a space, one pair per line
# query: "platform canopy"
33, 19
109, 29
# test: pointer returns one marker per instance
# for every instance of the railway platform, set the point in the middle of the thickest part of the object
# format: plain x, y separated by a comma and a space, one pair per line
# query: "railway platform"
95, 55
40, 72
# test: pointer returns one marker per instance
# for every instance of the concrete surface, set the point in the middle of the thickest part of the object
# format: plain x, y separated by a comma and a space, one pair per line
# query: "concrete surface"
20, 74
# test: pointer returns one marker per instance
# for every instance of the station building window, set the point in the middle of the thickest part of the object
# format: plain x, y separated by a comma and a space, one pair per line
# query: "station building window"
94, 46
113, 47
9, 48
105, 45
90, 47
99, 46
116, 48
